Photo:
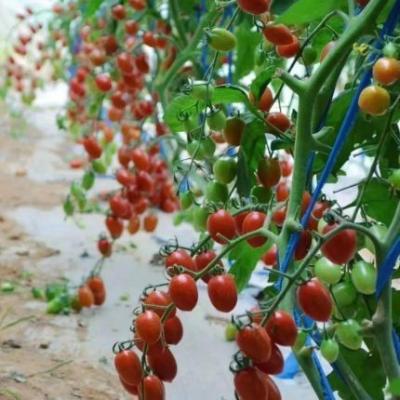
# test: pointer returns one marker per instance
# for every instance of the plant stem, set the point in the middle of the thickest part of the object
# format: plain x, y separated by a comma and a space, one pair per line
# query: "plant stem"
174, 8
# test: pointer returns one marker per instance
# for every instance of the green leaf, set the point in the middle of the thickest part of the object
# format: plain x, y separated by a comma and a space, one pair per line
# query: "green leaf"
377, 202
247, 42
305, 11
92, 7
394, 387
251, 151
262, 80
245, 258
372, 378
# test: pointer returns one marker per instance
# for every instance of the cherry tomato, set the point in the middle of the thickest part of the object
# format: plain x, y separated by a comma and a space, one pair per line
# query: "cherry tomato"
222, 292
103, 82
85, 296
364, 276
315, 300
183, 291
148, 326
173, 330
374, 100
233, 131
327, 272
255, 7
163, 364
128, 366
303, 246
92, 147
330, 350
221, 223
286, 168
278, 34
239, 218
269, 172
180, 258
132, 389
281, 328
114, 226
150, 222
289, 50
221, 39
255, 343
344, 294
273, 390
202, 260
279, 216
96, 284
348, 334
266, 100
253, 221
161, 301
151, 388
216, 121
225, 170
282, 192
140, 159
275, 363
216, 192
118, 12
386, 71
120, 207
200, 217
279, 122
105, 247
341, 248
270, 258
133, 224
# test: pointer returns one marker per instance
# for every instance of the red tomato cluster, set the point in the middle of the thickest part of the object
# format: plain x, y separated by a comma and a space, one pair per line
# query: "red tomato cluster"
158, 327
260, 345
93, 292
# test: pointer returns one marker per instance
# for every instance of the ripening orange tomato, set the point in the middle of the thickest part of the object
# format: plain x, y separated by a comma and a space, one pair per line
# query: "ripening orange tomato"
374, 100
386, 71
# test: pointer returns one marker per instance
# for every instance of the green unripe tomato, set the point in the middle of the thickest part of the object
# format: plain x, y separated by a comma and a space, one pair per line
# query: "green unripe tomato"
329, 350
202, 90
309, 55
200, 216
217, 192
379, 231
344, 293
327, 271
261, 193
190, 124
230, 332
216, 121
225, 170
363, 276
390, 50
348, 334
394, 179
186, 200
221, 39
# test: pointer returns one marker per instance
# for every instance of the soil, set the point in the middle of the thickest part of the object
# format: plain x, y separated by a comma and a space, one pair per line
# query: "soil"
30, 367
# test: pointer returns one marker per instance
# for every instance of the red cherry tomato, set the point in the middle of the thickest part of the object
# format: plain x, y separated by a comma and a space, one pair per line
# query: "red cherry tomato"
183, 291
289, 50
255, 7
315, 300
271, 256
253, 221
269, 172
152, 388
180, 258
173, 330
275, 363
278, 34
279, 121
281, 328
254, 342
114, 226
222, 292
342, 247
221, 223
148, 326
161, 301
129, 367
303, 245
163, 364
250, 384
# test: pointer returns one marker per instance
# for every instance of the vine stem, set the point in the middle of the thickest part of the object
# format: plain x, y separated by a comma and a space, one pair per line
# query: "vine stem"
174, 8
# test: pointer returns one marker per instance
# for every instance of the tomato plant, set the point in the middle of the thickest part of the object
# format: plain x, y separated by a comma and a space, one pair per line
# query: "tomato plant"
259, 105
